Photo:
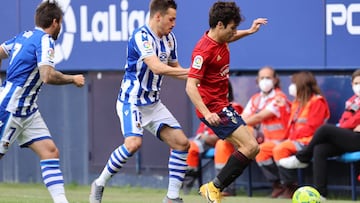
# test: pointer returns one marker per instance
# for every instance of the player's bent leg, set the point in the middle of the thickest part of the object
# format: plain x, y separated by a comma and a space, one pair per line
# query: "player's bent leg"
117, 159
211, 193
133, 143
50, 169
45, 149
175, 138
53, 179
96, 193
237, 162
179, 145
245, 142
9, 131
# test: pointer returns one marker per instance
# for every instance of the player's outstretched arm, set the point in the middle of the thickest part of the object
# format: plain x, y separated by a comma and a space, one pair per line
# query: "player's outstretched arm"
182, 76
159, 68
51, 76
257, 23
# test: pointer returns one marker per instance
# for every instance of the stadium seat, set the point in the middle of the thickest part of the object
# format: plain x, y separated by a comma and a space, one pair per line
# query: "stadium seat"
208, 156
351, 158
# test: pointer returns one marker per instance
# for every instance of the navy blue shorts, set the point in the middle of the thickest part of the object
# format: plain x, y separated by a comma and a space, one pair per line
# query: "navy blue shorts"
230, 121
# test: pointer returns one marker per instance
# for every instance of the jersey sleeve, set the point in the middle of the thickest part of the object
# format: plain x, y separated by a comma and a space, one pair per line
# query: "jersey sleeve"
143, 44
8, 45
197, 67
45, 52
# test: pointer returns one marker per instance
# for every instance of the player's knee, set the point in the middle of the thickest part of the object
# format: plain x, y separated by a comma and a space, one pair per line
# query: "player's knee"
182, 145
48, 153
254, 149
133, 146
54, 152
186, 145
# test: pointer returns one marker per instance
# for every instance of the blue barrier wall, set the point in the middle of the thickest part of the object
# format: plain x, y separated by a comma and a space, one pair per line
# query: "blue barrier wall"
301, 34
65, 111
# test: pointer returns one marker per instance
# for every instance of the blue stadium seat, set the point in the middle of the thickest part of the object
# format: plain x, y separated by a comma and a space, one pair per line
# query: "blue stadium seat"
351, 158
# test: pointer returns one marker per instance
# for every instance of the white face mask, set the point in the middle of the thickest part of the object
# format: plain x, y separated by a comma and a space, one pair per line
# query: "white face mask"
292, 89
266, 85
356, 89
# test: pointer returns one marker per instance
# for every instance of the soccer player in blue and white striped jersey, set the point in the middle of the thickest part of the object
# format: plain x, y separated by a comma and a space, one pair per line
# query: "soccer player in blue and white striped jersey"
31, 63
151, 54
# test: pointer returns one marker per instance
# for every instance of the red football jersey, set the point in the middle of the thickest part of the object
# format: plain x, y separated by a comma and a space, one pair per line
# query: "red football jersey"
210, 64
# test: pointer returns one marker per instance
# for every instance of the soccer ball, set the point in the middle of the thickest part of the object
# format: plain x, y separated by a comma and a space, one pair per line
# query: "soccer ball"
306, 194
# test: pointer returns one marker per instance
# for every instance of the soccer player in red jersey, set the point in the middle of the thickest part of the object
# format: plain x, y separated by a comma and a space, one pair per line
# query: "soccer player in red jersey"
207, 87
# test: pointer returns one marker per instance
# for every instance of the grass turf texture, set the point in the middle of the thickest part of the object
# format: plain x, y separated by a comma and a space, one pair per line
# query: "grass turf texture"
37, 193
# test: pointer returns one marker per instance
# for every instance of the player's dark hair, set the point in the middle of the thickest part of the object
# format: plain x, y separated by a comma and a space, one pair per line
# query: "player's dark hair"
355, 74
161, 6
46, 12
224, 12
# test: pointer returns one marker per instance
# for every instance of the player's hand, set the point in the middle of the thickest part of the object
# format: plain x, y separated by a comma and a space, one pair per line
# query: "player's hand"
213, 119
257, 23
79, 80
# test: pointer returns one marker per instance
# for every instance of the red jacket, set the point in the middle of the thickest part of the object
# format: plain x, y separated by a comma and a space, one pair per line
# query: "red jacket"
305, 121
351, 116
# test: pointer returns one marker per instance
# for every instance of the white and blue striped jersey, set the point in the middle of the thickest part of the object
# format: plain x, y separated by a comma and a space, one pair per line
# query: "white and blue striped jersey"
27, 51
140, 86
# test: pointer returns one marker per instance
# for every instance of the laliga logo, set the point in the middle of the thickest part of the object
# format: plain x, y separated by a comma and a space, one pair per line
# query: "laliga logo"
64, 48
102, 26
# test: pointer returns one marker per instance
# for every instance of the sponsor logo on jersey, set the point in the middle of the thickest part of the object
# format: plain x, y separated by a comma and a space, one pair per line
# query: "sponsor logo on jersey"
163, 57
224, 71
197, 62
147, 45
51, 54
218, 58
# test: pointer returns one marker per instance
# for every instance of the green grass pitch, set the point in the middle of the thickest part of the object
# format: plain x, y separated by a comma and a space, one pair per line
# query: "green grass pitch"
37, 193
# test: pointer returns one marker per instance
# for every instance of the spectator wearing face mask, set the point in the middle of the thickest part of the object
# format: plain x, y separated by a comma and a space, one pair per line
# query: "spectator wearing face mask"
330, 140
269, 125
309, 111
